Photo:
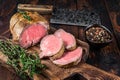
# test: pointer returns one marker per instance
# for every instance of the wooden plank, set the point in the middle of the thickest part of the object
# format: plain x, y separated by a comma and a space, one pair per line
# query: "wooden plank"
7, 75
71, 4
105, 56
113, 8
45, 2
6, 11
100, 7
104, 15
6, 8
81, 4
88, 71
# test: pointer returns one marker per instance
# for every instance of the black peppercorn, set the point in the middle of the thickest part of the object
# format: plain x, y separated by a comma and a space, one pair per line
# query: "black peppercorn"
98, 34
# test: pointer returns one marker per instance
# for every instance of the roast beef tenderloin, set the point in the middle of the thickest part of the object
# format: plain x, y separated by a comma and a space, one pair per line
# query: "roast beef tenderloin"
32, 35
69, 58
51, 46
69, 39
18, 23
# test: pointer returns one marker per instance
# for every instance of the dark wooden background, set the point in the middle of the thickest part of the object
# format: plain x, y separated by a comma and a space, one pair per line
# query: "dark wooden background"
107, 58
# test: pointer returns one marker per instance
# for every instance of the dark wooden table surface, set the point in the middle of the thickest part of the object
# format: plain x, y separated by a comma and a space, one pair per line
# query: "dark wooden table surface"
107, 58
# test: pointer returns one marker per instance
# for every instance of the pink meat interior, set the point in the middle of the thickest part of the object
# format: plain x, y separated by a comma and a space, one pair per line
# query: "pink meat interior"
68, 38
69, 57
50, 45
32, 35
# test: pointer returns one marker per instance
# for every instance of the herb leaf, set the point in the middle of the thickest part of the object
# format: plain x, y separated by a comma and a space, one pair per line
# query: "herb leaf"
24, 64
25, 15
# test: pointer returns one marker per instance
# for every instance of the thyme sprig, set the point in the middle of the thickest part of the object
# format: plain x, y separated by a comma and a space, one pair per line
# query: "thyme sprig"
24, 64
25, 15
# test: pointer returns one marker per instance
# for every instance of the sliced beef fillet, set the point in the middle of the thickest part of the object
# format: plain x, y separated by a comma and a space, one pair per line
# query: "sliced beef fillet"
32, 35
69, 39
70, 58
51, 46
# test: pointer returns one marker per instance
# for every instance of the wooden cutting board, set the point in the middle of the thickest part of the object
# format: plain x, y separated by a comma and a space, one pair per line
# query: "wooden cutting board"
89, 72
53, 72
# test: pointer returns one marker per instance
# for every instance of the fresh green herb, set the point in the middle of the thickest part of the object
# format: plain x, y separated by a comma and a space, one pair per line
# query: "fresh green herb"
24, 64
25, 15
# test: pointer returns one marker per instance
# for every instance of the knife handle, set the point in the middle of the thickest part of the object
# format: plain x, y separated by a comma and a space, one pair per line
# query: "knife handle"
42, 9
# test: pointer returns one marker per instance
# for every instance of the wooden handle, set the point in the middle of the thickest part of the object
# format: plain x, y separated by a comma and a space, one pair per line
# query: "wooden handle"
42, 9
92, 73
85, 70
